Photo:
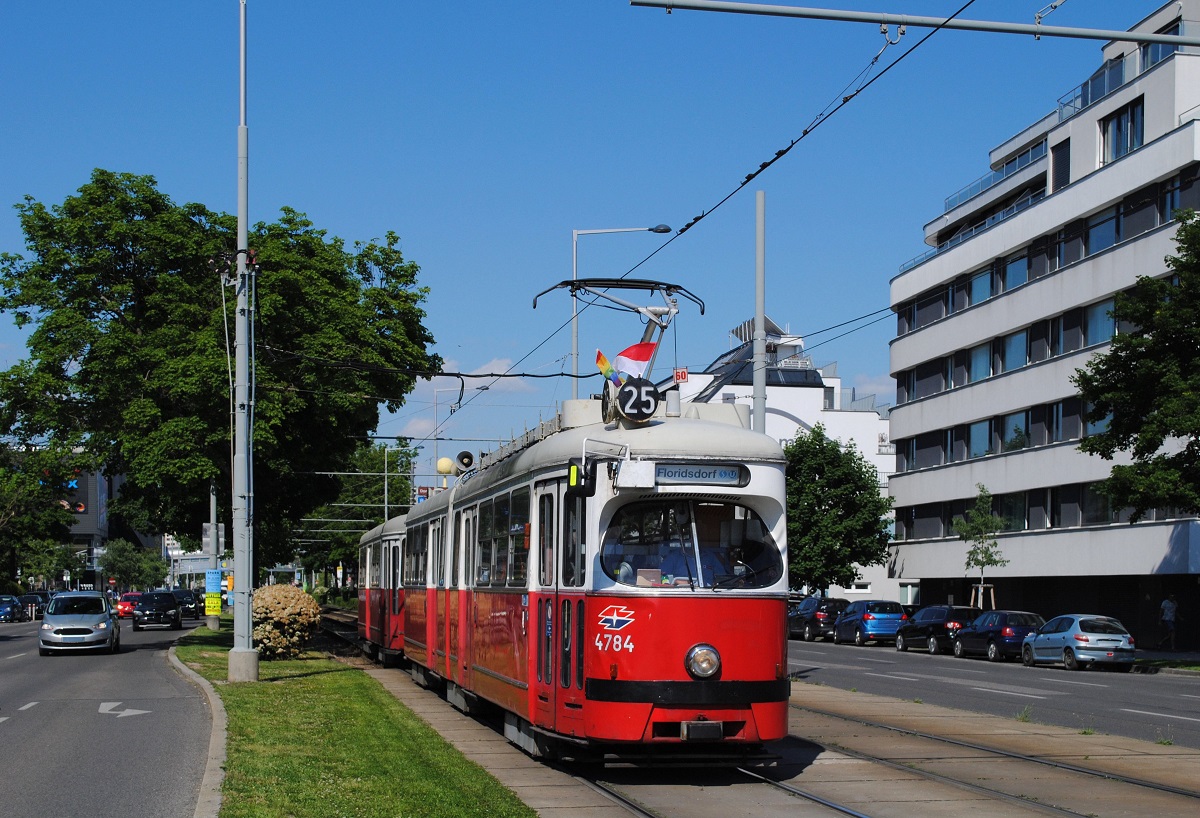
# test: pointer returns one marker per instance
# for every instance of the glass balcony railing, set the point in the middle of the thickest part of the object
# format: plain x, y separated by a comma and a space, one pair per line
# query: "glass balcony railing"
1021, 160
959, 238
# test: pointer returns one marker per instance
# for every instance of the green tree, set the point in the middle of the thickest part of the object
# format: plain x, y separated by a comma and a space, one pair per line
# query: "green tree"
979, 527
1145, 390
837, 519
130, 350
31, 488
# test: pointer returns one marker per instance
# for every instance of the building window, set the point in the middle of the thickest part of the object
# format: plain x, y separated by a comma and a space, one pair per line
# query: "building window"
1099, 324
1014, 351
979, 438
1102, 230
980, 287
1060, 162
1016, 271
1154, 53
1122, 132
1014, 431
1096, 427
1012, 509
1056, 423
979, 364
1094, 506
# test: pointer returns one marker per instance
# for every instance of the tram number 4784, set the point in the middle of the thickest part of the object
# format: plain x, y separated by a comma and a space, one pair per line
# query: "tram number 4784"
614, 641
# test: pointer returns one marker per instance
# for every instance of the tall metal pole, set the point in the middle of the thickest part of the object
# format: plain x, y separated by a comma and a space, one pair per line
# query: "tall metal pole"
214, 558
243, 658
758, 412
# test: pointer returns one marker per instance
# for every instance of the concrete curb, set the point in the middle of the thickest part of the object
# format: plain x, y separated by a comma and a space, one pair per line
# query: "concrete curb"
208, 804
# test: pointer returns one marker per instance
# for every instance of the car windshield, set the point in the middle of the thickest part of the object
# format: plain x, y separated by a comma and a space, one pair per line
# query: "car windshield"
657, 543
885, 608
8, 600
1110, 626
69, 605
130, 597
156, 599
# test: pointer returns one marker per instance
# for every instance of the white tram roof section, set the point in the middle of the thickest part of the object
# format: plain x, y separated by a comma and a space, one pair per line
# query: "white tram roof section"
701, 431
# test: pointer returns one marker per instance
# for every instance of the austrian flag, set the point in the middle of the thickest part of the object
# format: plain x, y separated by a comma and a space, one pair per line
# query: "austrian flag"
635, 360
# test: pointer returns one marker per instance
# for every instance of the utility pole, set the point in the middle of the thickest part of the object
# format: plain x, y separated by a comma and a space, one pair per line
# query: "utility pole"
758, 412
243, 658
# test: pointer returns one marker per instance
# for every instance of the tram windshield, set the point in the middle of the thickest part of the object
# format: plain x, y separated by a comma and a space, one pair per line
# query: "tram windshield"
660, 543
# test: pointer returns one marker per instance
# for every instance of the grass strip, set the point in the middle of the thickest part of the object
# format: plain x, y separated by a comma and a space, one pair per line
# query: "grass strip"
316, 738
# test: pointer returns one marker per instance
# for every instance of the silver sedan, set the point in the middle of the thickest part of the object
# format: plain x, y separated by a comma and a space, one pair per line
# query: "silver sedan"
79, 620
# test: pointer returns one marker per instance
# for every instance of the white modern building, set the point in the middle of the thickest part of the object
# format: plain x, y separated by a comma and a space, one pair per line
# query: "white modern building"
1015, 296
801, 395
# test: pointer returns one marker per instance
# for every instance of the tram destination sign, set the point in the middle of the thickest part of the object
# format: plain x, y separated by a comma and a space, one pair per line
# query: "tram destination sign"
705, 474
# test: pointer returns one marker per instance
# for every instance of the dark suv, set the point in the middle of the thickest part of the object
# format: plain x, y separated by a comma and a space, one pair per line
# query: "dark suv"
188, 603
157, 608
934, 627
814, 616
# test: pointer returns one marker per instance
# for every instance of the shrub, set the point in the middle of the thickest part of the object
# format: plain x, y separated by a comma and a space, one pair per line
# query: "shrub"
285, 617
320, 594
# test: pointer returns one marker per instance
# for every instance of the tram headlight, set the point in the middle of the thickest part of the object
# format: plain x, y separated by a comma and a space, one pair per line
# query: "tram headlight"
703, 661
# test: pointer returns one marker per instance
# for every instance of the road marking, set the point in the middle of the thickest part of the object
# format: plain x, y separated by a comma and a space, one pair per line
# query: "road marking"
1008, 693
109, 708
892, 676
1189, 696
879, 661
26, 707
1160, 715
3, 718
1069, 682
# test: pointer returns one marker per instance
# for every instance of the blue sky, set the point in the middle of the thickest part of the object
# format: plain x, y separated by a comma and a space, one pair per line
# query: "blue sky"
483, 133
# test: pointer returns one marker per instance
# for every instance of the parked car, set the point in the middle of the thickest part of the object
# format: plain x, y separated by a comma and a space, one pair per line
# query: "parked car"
868, 620
33, 602
813, 617
1079, 640
126, 604
998, 635
79, 620
11, 609
188, 603
933, 627
157, 608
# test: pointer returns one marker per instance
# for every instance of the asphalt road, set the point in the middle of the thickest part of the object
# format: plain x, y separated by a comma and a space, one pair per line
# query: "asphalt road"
1157, 707
88, 734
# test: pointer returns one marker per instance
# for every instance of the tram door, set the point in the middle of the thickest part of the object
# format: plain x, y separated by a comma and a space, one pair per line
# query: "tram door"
394, 594
548, 510
465, 542
435, 605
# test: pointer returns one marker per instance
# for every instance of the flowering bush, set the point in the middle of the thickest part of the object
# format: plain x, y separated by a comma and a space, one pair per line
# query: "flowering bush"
285, 617
320, 594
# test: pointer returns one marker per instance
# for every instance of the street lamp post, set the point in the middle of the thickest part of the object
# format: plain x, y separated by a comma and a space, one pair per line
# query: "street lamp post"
453, 409
575, 234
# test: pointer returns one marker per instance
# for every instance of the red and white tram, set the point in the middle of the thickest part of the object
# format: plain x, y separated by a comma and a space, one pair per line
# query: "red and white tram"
615, 588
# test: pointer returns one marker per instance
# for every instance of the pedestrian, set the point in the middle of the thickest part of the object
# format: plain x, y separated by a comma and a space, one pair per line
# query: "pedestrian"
1168, 613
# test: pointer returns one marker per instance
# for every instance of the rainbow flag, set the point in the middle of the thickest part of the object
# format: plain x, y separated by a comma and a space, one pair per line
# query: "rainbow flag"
606, 369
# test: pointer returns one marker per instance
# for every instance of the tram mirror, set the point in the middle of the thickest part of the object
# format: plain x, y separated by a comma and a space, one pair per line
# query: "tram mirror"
581, 477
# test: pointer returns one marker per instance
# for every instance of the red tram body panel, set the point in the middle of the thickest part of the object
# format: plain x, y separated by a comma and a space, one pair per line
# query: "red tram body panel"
609, 586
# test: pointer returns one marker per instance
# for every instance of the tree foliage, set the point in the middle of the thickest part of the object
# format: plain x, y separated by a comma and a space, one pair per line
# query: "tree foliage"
133, 566
979, 527
836, 516
31, 487
130, 350
1147, 386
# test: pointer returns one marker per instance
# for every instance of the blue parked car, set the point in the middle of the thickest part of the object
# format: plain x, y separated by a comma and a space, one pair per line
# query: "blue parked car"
1079, 640
868, 620
998, 635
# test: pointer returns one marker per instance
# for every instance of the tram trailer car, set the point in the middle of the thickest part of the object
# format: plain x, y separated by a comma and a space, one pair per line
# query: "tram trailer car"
380, 599
617, 589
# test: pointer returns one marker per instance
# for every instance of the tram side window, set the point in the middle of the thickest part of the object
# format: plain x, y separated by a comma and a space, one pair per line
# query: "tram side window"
483, 546
415, 550
574, 548
518, 538
499, 534
437, 544
362, 563
546, 539
374, 570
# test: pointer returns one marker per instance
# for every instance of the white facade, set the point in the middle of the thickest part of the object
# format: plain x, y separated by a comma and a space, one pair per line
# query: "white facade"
801, 395
1013, 299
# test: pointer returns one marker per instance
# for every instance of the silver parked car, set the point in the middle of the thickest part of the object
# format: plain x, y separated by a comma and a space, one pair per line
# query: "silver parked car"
79, 620
1079, 640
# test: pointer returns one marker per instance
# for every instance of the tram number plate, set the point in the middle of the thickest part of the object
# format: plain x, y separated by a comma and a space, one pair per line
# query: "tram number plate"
614, 641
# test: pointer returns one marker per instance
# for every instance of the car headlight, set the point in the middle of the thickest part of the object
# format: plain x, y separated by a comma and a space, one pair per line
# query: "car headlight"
702, 661
46, 626
101, 626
